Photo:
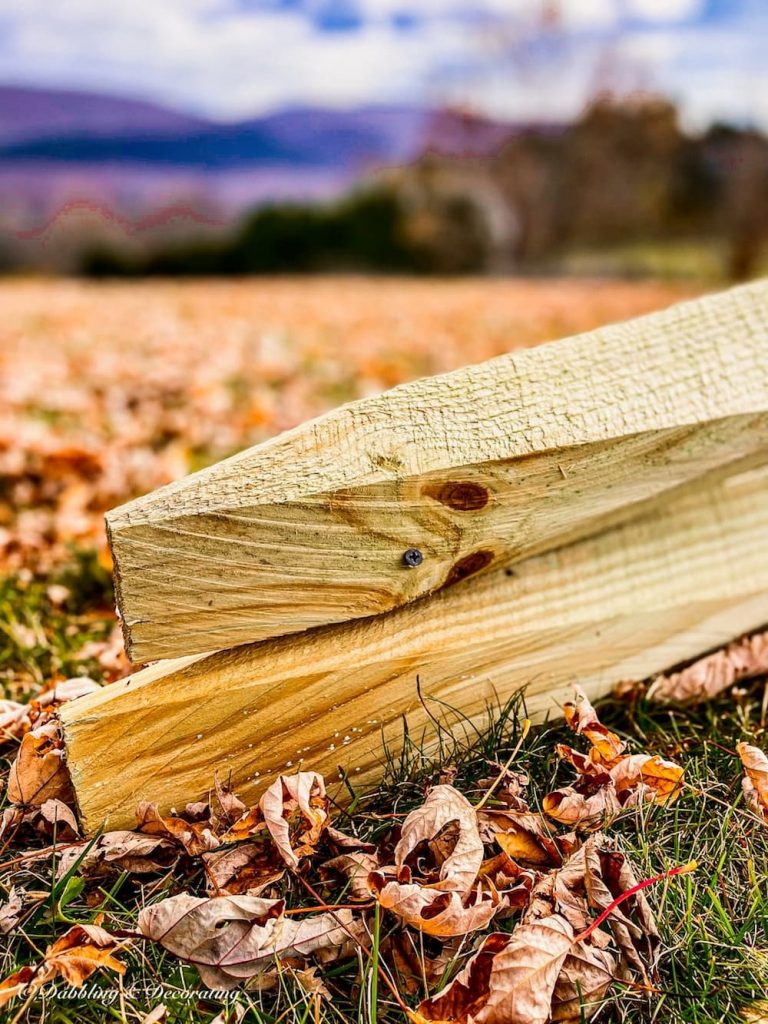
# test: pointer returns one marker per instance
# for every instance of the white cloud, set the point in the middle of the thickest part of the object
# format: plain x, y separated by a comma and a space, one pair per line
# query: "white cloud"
665, 10
223, 59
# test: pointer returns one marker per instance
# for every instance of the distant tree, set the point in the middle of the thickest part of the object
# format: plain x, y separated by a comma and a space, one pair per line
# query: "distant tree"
366, 232
739, 163
622, 162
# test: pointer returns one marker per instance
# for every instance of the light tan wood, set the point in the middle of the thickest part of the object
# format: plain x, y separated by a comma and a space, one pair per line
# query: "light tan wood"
476, 469
629, 602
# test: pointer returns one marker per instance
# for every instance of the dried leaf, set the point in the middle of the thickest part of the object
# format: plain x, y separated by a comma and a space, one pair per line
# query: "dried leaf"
193, 837
10, 911
118, 851
608, 874
61, 817
81, 951
225, 807
75, 956
16, 984
755, 782
247, 869
342, 842
609, 780
582, 719
303, 793
592, 878
524, 836
458, 859
510, 980
584, 979
312, 984
231, 939
714, 673
39, 773
437, 912
354, 868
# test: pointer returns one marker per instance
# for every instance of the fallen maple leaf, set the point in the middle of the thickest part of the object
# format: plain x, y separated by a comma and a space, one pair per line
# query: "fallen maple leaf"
510, 980
609, 780
10, 911
225, 808
61, 817
304, 793
133, 852
232, 939
608, 875
434, 911
582, 718
458, 859
585, 977
755, 782
247, 869
38, 773
524, 836
193, 837
714, 673
83, 949
354, 867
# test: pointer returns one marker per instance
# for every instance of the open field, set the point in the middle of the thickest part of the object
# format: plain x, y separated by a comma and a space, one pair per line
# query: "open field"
107, 391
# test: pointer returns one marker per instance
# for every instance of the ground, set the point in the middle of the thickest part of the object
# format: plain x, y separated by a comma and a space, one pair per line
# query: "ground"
109, 390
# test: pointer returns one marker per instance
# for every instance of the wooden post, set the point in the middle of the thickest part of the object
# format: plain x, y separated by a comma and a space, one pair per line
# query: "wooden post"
626, 603
390, 498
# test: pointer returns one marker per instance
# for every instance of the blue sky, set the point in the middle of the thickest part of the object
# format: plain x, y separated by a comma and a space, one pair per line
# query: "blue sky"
520, 59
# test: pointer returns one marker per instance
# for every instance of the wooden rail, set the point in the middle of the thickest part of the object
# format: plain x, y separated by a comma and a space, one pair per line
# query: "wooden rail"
393, 497
625, 603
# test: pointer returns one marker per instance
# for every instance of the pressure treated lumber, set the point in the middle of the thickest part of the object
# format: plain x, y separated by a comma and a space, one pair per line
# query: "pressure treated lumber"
475, 469
634, 600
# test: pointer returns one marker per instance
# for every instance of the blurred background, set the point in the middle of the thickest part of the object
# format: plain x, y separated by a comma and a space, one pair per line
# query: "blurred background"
219, 218
611, 137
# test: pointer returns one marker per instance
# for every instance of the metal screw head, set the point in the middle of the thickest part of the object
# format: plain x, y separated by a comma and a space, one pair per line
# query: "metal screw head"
412, 557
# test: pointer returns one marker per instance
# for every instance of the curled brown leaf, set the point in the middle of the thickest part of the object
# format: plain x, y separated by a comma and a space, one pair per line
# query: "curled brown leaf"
755, 782
75, 956
247, 869
133, 852
437, 912
714, 673
39, 772
510, 980
193, 837
459, 856
232, 939
303, 794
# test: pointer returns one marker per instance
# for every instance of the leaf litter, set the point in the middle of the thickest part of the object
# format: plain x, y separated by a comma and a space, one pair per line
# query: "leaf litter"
546, 908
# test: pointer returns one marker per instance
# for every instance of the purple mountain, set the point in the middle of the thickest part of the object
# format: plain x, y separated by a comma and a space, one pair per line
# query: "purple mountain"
63, 149
27, 113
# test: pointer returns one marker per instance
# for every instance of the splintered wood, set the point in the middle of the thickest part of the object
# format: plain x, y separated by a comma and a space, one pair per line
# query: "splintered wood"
628, 602
472, 471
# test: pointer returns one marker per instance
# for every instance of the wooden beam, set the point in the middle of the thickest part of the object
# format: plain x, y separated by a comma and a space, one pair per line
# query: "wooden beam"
475, 469
629, 602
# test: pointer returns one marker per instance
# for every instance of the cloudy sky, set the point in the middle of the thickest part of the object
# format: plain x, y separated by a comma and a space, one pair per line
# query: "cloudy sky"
522, 59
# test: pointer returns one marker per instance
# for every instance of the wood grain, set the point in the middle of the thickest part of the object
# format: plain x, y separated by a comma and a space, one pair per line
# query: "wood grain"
631, 601
476, 469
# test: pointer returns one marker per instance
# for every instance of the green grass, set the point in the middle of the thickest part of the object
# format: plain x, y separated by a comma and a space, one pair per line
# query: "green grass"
714, 923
